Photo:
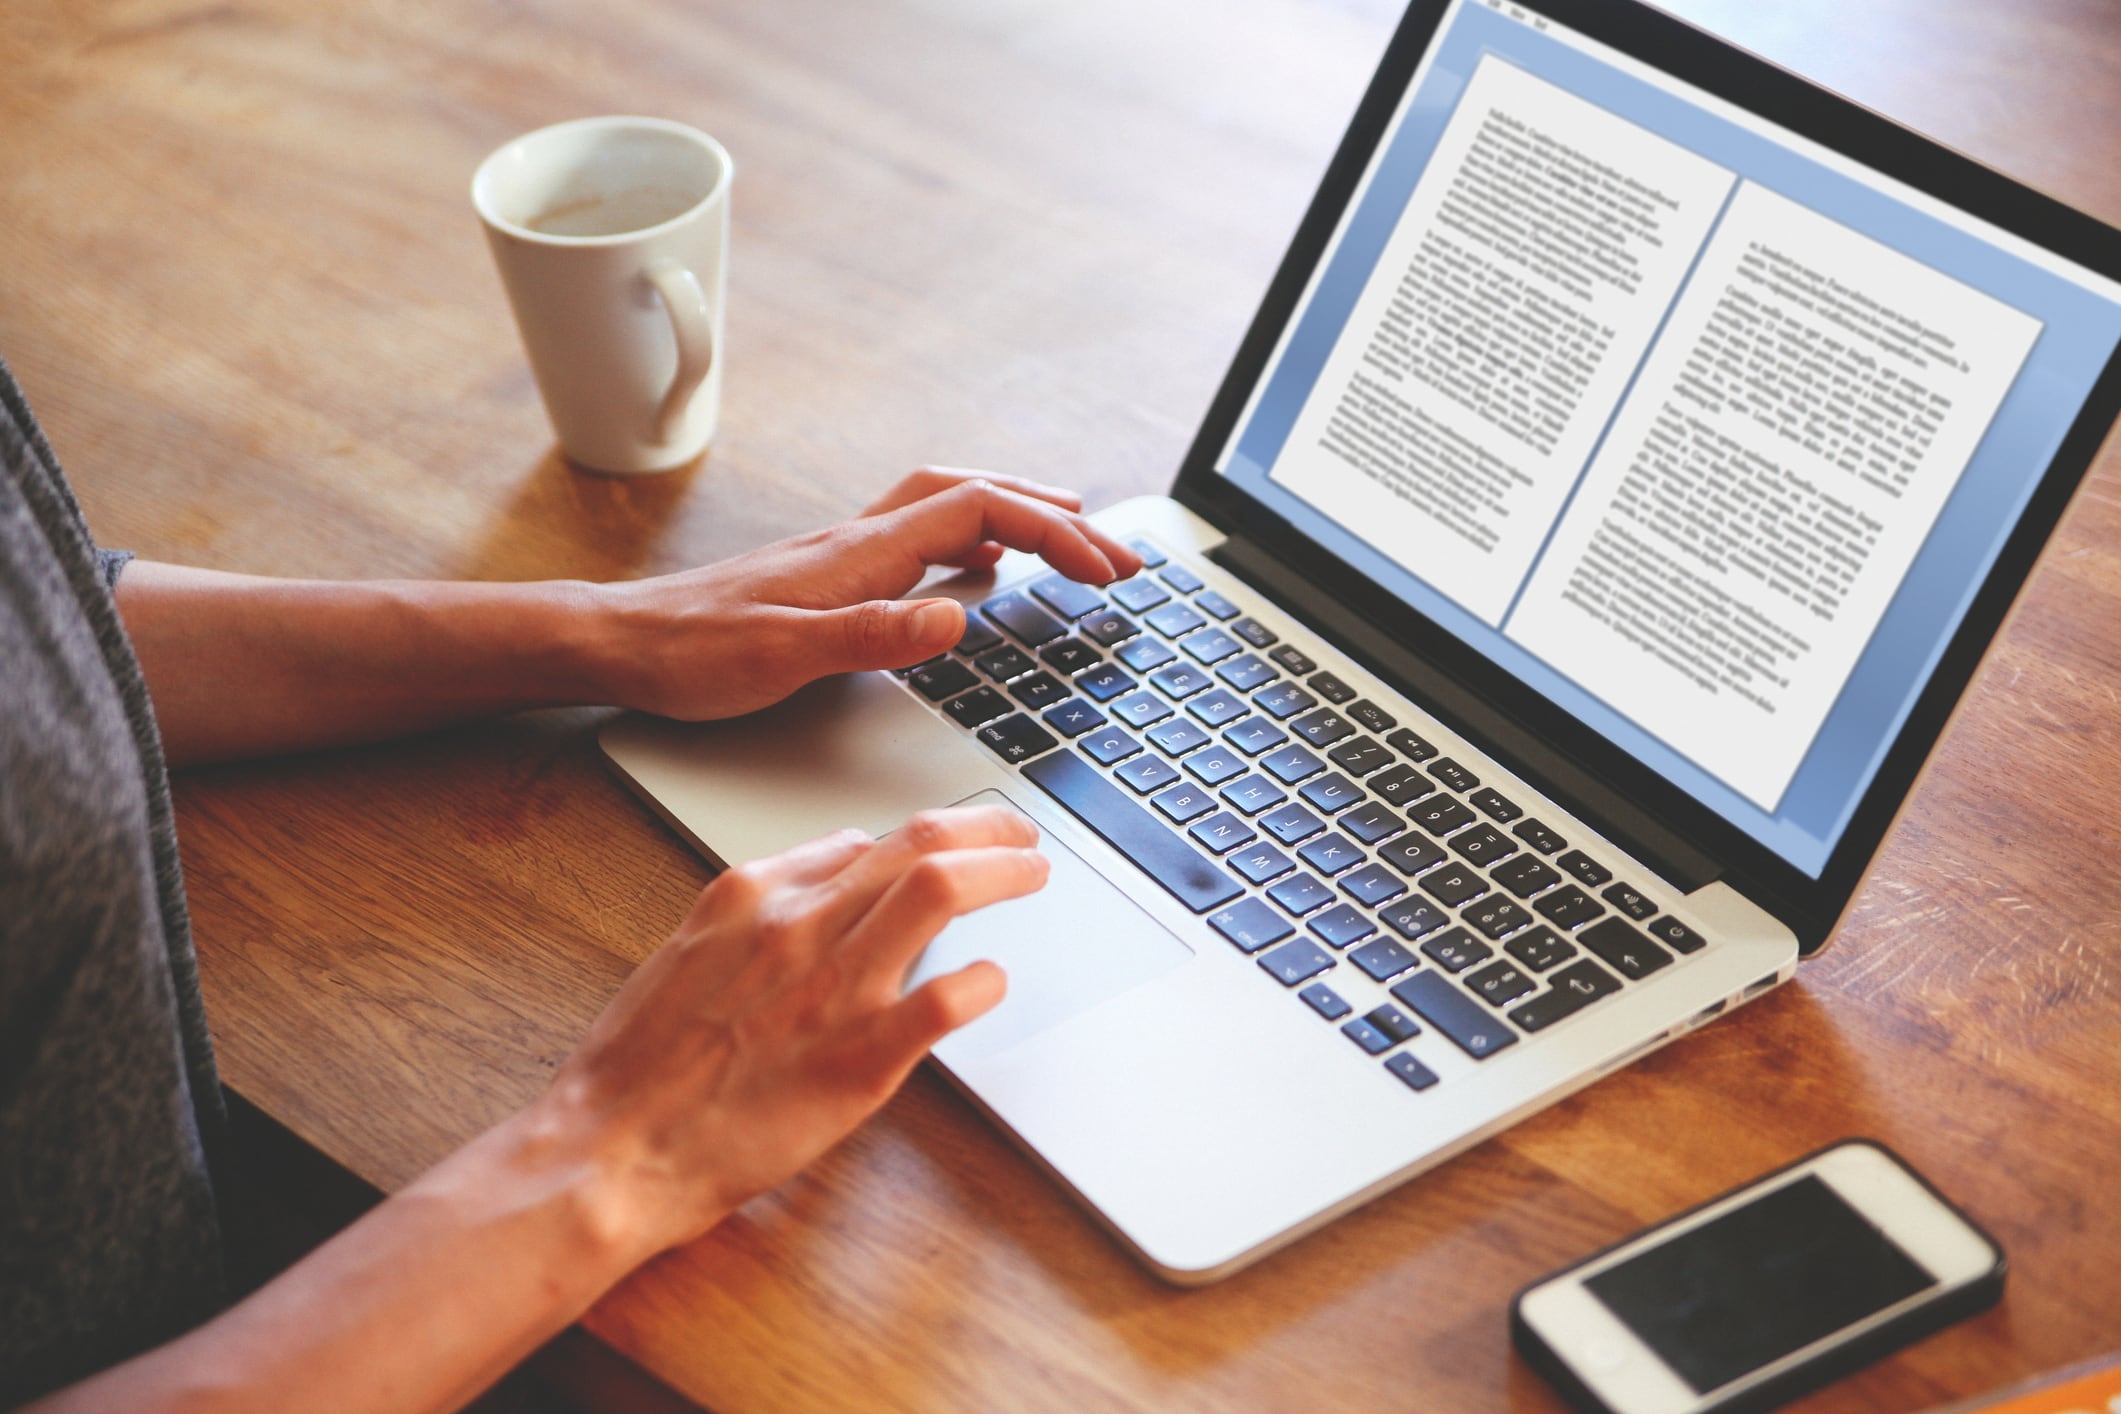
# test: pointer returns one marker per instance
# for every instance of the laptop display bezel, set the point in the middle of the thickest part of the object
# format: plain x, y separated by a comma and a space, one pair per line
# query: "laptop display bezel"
1810, 906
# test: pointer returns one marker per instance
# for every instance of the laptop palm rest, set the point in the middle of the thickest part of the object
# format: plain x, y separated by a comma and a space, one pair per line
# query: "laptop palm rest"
1065, 949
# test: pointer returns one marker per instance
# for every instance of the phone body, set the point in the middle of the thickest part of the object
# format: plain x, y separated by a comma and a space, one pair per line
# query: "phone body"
1755, 1296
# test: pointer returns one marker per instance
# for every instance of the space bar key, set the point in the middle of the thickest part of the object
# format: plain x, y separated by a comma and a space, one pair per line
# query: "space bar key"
1133, 831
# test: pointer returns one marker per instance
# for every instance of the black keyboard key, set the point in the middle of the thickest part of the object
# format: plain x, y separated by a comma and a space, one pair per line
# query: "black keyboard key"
1452, 774
1623, 949
1254, 793
1018, 738
1363, 1034
1183, 802
977, 639
1589, 870
1331, 688
1483, 844
1191, 877
1070, 656
1330, 853
1139, 595
1300, 894
1629, 900
1180, 680
1110, 746
1251, 925
1214, 765
1359, 756
1321, 728
1245, 673
1401, 784
1383, 959
1152, 558
1181, 579
1104, 682
1145, 653
1440, 814
1437, 1001
1539, 837
1176, 737
1222, 832
1330, 792
1146, 773
1325, 1001
1395, 1023
1210, 645
1283, 700
1453, 884
1066, 597
1292, 764
1340, 925
1416, 1075
1297, 961
1038, 691
1573, 988
1107, 627
1498, 984
977, 707
1024, 619
1496, 916
1569, 907
1525, 875
1253, 632
1291, 823
939, 678
1457, 950
1173, 620
1291, 661
1497, 807
1540, 948
1676, 934
1372, 885
1254, 735
1413, 918
1409, 745
1411, 853
1005, 662
1373, 717
1261, 863
1072, 718
1371, 822
1140, 709
1214, 605
1217, 707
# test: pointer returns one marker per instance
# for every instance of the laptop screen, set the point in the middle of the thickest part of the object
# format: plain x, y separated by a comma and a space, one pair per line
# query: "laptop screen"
1702, 431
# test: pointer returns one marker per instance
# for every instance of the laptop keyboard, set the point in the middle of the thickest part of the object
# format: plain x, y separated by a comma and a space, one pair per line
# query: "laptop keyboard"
1313, 830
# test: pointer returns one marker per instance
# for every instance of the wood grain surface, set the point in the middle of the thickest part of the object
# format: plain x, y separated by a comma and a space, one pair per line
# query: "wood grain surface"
241, 280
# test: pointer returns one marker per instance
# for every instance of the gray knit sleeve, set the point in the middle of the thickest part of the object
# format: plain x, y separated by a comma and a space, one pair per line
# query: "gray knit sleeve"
111, 562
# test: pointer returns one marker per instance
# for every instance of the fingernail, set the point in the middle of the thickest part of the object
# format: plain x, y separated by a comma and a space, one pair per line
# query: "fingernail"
935, 621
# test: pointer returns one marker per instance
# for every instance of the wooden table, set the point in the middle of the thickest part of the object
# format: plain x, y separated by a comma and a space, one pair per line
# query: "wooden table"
240, 276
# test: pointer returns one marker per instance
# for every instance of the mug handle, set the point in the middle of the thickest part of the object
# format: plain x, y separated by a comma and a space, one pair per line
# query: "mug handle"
686, 304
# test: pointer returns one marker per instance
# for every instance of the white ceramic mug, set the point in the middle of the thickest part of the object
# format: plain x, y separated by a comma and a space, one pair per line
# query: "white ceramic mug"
611, 235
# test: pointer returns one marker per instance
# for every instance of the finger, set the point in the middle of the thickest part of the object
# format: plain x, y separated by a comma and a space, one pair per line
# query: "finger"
945, 526
922, 901
843, 900
929, 480
900, 1034
797, 866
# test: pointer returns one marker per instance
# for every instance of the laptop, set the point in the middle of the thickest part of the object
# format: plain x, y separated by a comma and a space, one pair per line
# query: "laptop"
1625, 472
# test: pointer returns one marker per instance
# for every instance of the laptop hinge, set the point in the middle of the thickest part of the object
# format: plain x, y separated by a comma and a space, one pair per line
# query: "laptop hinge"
1614, 814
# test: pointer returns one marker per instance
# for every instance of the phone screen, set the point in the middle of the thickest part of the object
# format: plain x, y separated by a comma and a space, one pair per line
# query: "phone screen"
1769, 1277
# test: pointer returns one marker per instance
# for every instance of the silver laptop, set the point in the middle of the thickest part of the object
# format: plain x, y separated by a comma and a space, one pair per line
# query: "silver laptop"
1624, 474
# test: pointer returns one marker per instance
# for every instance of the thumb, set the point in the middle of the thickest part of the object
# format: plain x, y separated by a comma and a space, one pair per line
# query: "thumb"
890, 633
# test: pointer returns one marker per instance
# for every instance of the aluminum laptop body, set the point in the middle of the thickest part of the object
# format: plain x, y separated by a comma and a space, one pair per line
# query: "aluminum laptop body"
1621, 481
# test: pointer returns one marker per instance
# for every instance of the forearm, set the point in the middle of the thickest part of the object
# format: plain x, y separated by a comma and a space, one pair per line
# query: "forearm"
243, 666
421, 1304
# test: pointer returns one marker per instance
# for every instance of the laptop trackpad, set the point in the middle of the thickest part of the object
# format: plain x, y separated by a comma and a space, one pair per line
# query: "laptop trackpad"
1066, 948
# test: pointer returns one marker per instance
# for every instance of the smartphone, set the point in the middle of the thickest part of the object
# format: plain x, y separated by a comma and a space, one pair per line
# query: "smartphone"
1754, 1297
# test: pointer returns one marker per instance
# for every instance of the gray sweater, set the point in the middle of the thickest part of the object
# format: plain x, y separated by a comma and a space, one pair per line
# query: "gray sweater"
109, 1243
